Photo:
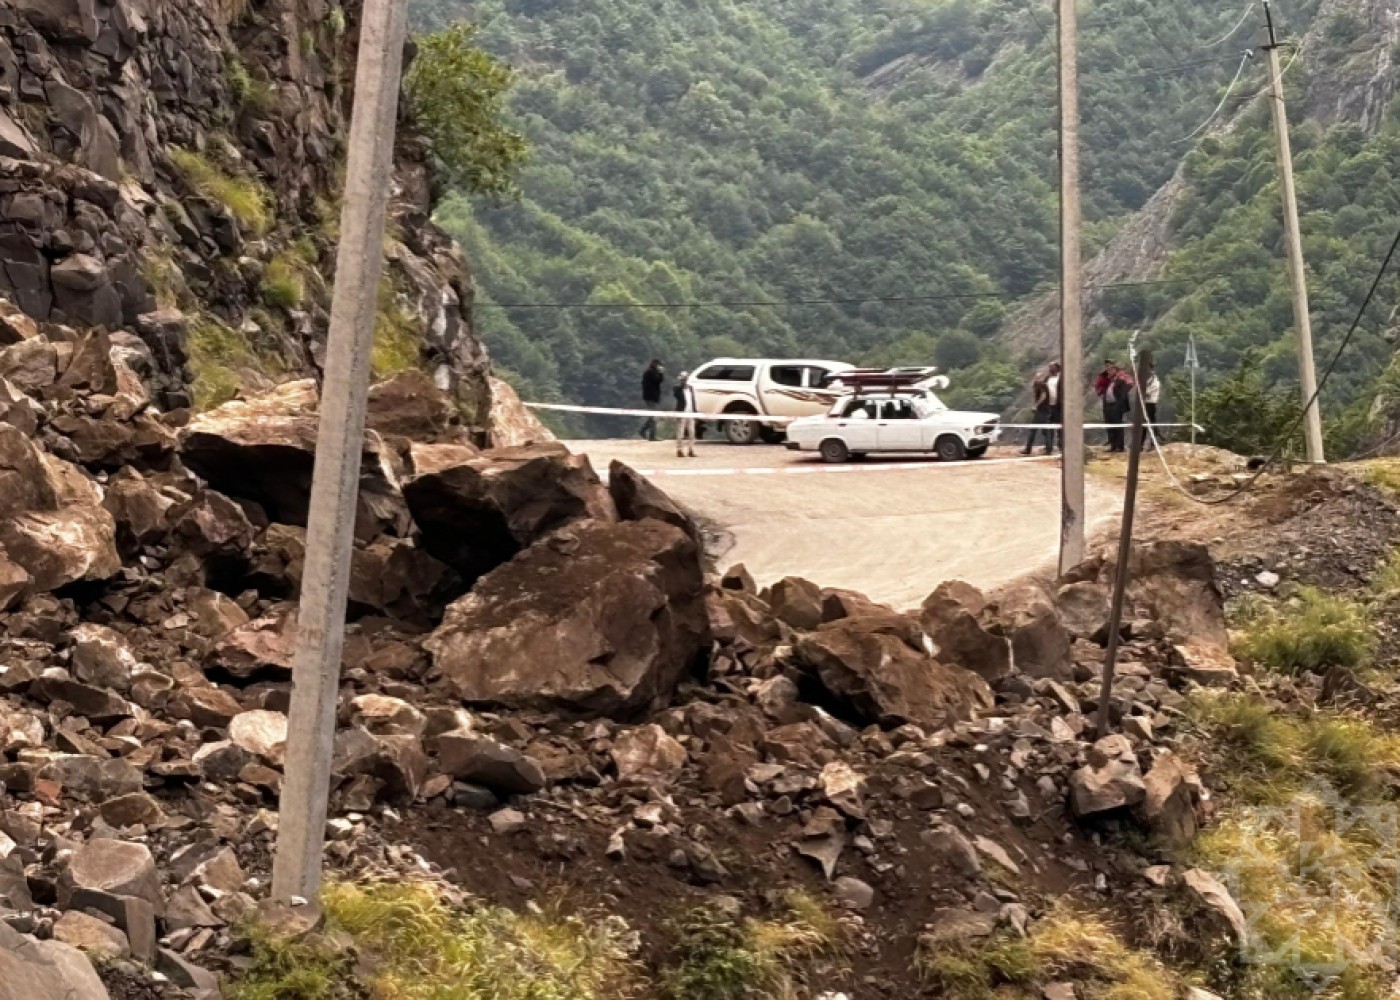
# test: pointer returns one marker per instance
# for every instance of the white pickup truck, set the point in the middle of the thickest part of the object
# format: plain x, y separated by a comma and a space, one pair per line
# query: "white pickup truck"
765, 387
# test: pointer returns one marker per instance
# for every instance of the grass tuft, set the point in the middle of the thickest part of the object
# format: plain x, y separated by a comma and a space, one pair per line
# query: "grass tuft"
217, 353
410, 943
283, 286
1066, 944
721, 958
398, 336
242, 197
1313, 632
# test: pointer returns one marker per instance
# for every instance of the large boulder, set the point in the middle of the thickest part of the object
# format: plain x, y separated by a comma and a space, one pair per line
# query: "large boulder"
877, 671
511, 422
477, 514
638, 498
263, 449
409, 405
1109, 780
953, 616
1040, 643
45, 970
601, 618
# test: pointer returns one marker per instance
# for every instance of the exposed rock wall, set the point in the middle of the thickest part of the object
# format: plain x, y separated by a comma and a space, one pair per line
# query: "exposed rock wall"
173, 168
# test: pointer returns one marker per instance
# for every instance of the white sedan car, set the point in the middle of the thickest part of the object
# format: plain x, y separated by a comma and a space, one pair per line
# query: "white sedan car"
894, 422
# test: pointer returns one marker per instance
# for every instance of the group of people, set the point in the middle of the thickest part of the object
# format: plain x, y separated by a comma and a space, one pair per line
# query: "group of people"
1114, 386
653, 384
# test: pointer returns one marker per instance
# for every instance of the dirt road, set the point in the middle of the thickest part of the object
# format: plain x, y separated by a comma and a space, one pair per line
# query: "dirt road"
891, 529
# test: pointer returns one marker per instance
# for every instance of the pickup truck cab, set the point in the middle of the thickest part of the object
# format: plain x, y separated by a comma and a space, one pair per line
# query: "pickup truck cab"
765, 387
894, 421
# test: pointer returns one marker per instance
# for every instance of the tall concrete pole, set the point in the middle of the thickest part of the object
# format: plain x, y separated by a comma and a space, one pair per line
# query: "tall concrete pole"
1307, 374
1071, 284
296, 869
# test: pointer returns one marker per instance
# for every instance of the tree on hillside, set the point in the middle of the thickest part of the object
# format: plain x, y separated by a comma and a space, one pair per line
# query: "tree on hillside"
456, 96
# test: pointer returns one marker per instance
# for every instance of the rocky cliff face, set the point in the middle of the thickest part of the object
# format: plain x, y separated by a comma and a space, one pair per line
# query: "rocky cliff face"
172, 169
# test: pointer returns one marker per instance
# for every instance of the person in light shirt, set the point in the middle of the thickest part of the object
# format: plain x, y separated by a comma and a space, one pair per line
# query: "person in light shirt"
1046, 390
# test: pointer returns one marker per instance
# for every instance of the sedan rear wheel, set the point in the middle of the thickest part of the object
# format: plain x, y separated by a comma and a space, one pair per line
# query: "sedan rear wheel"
834, 451
950, 448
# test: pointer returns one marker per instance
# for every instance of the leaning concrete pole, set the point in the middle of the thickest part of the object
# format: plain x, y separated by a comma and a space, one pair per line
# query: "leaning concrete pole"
296, 870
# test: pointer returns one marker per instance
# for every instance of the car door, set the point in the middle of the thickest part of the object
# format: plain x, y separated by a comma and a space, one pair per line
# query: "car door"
857, 425
898, 429
784, 394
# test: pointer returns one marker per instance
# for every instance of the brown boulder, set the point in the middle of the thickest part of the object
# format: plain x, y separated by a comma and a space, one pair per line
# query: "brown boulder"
263, 449
262, 647
62, 546
796, 602
477, 515
14, 581
114, 868
878, 674
409, 405
1084, 608
601, 618
637, 498
952, 616
1040, 645
511, 422
647, 755
140, 508
1173, 796
483, 761
1109, 780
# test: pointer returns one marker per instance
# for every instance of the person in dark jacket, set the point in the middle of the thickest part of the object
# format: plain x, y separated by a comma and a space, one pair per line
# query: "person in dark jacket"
652, 380
1117, 401
1046, 392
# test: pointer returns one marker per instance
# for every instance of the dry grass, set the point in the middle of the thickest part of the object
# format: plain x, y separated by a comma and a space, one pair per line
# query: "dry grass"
244, 198
398, 335
1065, 944
1310, 632
411, 943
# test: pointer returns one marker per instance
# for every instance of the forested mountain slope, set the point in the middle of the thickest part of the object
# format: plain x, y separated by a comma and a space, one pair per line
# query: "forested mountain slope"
850, 150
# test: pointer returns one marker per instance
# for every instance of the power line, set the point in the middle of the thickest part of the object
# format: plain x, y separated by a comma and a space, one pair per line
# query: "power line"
1298, 420
1248, 54
785, 303
1248, 9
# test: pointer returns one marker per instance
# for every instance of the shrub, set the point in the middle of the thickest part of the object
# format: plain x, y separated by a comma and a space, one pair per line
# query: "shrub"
456, 93
1243, 412
217, 353
242, 197
1311, 633
398, 337
246, 88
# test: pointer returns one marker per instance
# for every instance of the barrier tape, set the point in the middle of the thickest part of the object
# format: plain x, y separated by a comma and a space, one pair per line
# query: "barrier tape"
614, 411
815, 468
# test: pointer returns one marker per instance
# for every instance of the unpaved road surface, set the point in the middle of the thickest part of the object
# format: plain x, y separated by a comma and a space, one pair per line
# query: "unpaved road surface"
891, 529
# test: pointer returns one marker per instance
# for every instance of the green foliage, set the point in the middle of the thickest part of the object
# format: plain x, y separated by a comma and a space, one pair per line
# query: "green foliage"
247, 89
413, 944
456, 93
398, 334
283, 286
217, 353
1244, 412
1311, 632
718, 957
957, 350
750, 152
244, 198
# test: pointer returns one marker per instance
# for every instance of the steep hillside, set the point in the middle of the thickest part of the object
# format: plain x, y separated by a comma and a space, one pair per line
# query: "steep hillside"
171, 169
822, 150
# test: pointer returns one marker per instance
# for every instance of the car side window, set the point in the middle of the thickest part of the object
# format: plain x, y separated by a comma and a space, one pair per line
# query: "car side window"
787, 375
855, 409
816, 378
725, 373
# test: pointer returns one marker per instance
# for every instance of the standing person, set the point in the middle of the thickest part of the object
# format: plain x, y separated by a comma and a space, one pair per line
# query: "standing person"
1103, 383
1117, 399
685, 426
1151, 396
652, 380
1053, 385
1046, 392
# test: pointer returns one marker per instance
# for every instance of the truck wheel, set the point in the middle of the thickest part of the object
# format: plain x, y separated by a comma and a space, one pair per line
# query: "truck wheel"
834, 451
741, 431
950, 448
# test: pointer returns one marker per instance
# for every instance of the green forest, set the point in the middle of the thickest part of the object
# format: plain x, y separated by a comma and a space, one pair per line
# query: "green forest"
725, 163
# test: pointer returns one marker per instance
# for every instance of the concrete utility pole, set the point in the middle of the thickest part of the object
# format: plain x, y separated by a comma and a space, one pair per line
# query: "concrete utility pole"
1071, 283
296, 869
1307, 375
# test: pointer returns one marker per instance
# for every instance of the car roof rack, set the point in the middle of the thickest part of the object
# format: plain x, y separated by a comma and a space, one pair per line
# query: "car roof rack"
887, 379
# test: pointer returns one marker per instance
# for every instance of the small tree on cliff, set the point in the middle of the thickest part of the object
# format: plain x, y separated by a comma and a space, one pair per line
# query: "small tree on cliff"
456, 94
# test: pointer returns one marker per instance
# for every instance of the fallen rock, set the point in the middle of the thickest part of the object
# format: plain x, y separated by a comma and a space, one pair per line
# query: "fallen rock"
101, 656
952, 617
104, 867
1172, 799
1084, 607
263, 449
601, 618
90, 935
56, 548
45, 970
1110, 780
841, 786
1216, 899
485, 762
638, 498
260, 732
132, 809
477, 515
646, 754
796, 602
1040, 644
874, 670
